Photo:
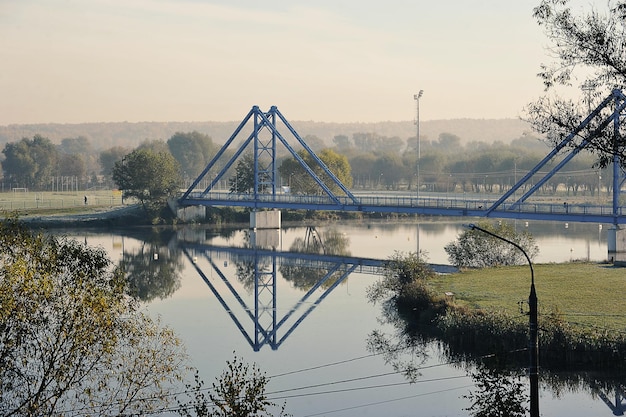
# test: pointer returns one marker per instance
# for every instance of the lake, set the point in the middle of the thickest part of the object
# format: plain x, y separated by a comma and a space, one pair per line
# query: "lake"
312, 341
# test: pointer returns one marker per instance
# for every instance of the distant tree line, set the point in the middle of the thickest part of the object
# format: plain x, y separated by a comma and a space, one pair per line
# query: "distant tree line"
40, 165
365, 161
445, 165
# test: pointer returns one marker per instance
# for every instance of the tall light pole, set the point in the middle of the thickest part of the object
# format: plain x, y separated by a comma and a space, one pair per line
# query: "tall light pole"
533, 370
417, 97
588, 87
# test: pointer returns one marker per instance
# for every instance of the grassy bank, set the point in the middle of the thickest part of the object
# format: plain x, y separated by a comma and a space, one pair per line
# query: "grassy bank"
588, 295
581, 312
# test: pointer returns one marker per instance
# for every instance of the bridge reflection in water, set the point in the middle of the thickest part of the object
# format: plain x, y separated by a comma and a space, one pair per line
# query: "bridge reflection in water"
319, 274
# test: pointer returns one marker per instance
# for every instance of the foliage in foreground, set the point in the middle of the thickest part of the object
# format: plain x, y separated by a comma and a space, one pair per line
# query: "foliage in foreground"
71, 340
475, 249
588, 50
238, 392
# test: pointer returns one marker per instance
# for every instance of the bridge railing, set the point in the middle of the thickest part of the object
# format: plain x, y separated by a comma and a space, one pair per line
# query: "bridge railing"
400, 201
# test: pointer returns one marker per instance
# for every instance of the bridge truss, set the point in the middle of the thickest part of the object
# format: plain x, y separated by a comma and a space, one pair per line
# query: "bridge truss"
271, 129
607, 115
266, 135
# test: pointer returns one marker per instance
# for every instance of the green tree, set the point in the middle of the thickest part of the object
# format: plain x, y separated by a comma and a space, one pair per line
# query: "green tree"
72, 166
70, 337
302, 182
342, 142
391, 144
150, 177
155, 145
405, 300
337, 164
388, 170
243, 180
109, 157
362, 167
400, 270
18, 165
475, 249
366, 142
30, 163
238, 392
590, 54
314, 142
79, 147
448, 142
192, 150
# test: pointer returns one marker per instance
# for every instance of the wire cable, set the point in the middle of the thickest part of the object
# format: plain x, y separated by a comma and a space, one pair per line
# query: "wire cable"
327, 365
394, 384
85, 409
387, 401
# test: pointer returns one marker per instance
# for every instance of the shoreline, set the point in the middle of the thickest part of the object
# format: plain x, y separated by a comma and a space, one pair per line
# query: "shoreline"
90, 217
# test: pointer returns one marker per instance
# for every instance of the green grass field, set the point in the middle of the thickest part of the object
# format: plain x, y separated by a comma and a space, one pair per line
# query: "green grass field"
51, 202
586, 294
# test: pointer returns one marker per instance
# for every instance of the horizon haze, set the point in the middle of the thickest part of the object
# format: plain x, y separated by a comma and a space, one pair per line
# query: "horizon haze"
71, 61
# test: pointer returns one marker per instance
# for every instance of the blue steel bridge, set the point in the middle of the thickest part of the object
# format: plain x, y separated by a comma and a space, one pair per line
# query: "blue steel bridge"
430, 205
263, 133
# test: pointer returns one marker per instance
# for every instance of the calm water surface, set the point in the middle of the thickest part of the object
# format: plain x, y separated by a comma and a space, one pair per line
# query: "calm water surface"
321, 365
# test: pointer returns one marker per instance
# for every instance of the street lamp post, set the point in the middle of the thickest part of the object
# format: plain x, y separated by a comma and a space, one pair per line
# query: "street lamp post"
599, 185
417, 97
533, 327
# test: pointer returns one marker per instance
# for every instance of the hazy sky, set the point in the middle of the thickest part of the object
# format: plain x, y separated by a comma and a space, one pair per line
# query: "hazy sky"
72, 61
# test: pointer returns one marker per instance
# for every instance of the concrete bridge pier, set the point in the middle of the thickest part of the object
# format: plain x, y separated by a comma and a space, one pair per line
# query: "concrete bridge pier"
269, 219
187, 213
265, 229
616, 242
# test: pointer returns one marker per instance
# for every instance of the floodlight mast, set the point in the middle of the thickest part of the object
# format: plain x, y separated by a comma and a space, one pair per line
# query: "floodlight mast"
417, 97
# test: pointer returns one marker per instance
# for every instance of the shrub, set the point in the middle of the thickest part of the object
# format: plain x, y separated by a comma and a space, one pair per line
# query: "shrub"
475, 249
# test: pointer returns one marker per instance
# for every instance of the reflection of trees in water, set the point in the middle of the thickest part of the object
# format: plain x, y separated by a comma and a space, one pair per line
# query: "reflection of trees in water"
539, 229
302, 276
330, 242
405, 354
153, 271
225, 233
247, 270
498, 392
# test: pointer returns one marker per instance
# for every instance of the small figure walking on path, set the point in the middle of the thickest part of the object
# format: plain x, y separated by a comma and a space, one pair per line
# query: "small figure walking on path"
85, 200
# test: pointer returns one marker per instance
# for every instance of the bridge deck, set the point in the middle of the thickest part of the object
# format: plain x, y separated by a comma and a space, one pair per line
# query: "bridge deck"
430, 205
